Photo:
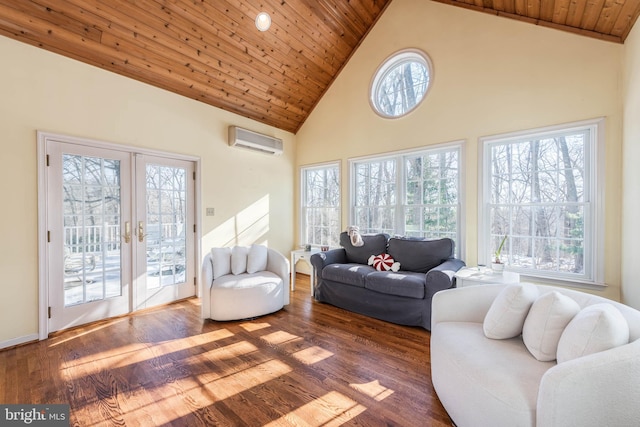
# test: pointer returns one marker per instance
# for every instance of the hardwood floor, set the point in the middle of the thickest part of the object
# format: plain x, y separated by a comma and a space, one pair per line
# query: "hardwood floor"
310, 364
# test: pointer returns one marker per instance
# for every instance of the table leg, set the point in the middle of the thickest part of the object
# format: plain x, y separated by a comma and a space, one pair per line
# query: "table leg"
312, 279
293, 273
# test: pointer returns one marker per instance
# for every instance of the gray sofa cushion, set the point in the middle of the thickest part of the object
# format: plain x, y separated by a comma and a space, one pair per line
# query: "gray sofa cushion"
349, 274
374, 244
420, 255
403, 284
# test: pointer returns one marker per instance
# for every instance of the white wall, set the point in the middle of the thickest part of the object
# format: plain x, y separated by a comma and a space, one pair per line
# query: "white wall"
252, 193
491, 75
631, 171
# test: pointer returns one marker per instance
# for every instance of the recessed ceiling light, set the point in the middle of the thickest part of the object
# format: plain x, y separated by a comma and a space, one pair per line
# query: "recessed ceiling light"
263, 21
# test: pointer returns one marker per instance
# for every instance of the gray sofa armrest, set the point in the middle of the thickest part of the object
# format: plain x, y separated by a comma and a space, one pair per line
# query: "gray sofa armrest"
441, 277
320, 260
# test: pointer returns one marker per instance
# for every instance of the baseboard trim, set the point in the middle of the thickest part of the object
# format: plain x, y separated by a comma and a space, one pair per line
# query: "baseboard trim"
18, 341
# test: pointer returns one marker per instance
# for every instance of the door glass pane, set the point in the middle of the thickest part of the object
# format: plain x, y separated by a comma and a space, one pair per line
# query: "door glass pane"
91, 199
166, 215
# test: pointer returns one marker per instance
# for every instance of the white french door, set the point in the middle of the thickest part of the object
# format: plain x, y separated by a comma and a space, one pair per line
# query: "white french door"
120, 232
164, 231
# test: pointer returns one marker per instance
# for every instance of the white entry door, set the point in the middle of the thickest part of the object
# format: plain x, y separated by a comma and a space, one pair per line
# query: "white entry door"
120, 232
89, 200
164, 231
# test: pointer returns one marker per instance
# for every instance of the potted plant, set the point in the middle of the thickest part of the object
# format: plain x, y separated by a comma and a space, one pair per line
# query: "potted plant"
497, 264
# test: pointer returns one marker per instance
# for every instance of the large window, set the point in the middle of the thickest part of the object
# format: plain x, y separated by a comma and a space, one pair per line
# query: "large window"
320, 197
413, 194
540, 189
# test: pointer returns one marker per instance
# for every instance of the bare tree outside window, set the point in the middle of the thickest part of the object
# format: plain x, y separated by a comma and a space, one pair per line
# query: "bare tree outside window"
91, 206
538, 199
321, 205
432, 191
375, 189
411, 194
401, 83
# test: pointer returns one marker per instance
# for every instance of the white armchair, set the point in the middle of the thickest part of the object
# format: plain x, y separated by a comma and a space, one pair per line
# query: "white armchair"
244, 282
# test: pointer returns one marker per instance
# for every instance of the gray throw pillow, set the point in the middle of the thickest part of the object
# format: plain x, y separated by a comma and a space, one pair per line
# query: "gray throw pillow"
420, 255
374, 244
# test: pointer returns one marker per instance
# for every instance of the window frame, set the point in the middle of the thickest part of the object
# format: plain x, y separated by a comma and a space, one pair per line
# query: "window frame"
389, 63
400, 182
303, 193
594, 184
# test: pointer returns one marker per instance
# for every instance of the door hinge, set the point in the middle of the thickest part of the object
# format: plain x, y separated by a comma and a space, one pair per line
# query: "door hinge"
48, 236
194, 228
194, 175
49, 312
47, 160
194, 282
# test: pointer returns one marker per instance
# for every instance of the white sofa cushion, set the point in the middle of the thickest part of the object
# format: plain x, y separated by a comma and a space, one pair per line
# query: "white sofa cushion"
257, 259
508, 311
547, 318
595, 328
221, 260
239, 259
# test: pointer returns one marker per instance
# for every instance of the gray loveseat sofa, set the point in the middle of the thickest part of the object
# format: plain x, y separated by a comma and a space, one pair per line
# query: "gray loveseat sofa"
344, 278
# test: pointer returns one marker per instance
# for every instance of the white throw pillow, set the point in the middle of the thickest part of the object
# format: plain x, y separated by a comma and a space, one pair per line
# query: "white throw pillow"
221, 258
506, 315
595, 328
257, 259
547, 318
239, 259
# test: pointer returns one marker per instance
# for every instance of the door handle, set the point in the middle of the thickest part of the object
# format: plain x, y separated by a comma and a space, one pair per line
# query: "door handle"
141, 231
127, 232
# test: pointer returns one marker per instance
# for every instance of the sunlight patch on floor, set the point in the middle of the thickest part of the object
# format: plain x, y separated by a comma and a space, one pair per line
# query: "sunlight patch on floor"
180, 344
55, 341
230, 385
312, 355
230, 351
373, 389
279, 337
251, 327
331, 410
93, 363
129, 354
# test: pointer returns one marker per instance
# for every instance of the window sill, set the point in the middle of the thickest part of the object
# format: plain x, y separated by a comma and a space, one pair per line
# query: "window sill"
568, 283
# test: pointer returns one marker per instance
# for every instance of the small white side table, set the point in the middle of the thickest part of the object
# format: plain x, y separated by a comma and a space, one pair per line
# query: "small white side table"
302, 255
470, 276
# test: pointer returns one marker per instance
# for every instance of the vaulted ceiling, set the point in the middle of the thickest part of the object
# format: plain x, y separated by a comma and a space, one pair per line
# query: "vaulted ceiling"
211, 50
609, 20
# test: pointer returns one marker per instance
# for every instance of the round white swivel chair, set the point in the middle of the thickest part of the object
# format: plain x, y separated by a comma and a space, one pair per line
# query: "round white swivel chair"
244, 282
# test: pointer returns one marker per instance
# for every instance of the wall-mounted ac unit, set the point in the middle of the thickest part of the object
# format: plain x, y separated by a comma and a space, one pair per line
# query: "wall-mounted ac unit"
239, 137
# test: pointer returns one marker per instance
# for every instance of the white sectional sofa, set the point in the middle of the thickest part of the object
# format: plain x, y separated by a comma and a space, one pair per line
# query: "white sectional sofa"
498, 382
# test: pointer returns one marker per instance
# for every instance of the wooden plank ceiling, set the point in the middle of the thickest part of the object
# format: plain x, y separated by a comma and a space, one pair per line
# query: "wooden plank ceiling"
609, 20
211, 51
208, 50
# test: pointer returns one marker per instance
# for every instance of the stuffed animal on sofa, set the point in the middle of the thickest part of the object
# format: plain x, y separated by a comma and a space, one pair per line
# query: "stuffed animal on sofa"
354, 234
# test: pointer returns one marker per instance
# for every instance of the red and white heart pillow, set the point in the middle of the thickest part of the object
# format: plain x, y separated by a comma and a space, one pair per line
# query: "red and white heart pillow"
383, 262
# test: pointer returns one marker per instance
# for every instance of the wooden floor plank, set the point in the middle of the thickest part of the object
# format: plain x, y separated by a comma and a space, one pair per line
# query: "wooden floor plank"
309, 364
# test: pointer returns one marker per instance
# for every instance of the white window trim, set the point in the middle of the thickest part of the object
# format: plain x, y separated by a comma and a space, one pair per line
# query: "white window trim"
303, 185
596, 158
459, 144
